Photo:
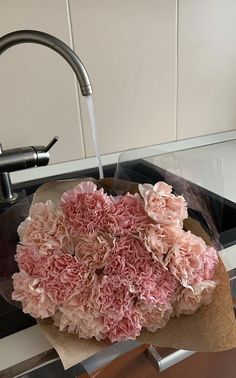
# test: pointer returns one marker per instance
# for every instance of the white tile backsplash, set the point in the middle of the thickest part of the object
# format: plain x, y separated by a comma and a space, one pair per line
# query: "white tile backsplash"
37, 92
128, 47
206, 67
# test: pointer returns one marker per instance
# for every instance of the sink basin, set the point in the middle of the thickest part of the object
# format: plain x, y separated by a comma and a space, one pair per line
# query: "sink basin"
223, 214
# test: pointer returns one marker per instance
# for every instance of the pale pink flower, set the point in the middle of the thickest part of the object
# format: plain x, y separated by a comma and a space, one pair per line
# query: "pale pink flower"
127, 328
93, 249
190, 299
155, 318
85, 207
210, 264
85, 294
162, 206
30, 292
82, 320
45, 228
186, 260
159, 239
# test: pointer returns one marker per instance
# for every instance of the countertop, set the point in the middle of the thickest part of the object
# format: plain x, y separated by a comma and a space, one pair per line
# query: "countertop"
212, 167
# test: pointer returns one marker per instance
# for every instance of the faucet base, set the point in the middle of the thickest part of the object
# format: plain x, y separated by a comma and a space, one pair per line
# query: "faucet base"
6, 201
6, 194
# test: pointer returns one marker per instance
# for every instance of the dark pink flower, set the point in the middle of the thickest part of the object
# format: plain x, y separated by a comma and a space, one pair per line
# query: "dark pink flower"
64, 275
117, 306
158, 288
114, 297
133, 265
59, 274
85, 208
126, 214
34, 260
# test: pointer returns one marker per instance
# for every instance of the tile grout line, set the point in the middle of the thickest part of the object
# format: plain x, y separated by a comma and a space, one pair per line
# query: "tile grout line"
76, 81
176, 66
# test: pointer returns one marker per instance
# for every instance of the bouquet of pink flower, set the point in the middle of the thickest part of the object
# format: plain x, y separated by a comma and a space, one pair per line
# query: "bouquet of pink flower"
105, 267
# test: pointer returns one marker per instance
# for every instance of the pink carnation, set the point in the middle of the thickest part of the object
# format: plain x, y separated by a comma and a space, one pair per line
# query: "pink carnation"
134, 267
126, 214
159, 239
32, 260
162, 206
93, 249
158, 289
64, 274
127, 328
45, 228
85, 207
191, 299
82, 320
59, 274
80, 313
30, 292
210, 263
114, 297
121, 320
186, 260
156, 317
128, 258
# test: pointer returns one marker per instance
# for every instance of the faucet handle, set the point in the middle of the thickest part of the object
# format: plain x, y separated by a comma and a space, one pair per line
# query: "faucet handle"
42, 152
51, 143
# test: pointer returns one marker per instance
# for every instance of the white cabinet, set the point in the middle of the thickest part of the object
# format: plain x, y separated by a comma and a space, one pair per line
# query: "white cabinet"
37, 92
206, 67
128, 48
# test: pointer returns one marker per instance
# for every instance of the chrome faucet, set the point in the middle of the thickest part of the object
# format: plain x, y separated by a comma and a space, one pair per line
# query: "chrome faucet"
33, 156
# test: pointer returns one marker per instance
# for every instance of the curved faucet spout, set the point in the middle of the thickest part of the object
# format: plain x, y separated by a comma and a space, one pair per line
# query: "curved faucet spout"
33, 36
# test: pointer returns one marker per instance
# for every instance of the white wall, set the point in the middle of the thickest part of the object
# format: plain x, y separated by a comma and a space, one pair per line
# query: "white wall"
206, 67
161, 70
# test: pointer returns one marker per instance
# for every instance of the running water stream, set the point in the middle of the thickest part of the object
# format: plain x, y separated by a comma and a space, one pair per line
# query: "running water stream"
94, 134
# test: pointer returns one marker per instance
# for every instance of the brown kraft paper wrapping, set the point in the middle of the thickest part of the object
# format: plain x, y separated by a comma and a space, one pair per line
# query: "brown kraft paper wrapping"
212, 328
